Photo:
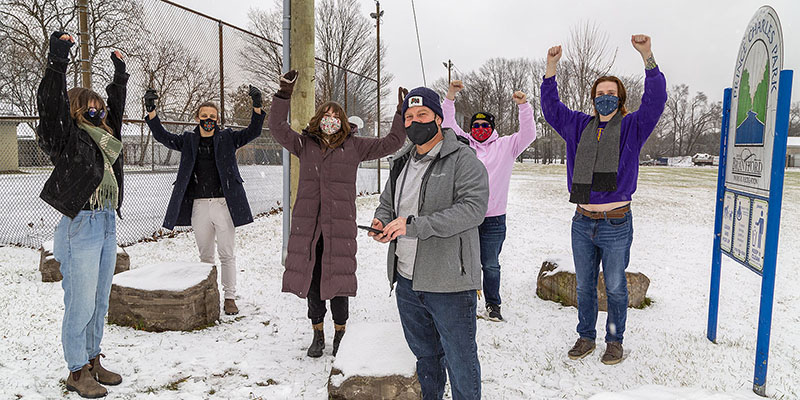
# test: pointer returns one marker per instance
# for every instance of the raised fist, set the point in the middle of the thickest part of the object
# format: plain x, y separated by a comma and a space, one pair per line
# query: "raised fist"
255, 94
401, 96
150, 97
455, 87
519, 97
116, 58
60, 43
287, 84
553, 55
641, 43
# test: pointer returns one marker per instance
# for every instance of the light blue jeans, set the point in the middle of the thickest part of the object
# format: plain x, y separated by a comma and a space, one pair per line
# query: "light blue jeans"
86, 247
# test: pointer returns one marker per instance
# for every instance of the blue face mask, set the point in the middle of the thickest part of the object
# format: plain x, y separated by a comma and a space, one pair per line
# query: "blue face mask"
606, 104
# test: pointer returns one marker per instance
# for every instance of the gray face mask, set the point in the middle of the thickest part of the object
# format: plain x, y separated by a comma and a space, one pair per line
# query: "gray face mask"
420, 133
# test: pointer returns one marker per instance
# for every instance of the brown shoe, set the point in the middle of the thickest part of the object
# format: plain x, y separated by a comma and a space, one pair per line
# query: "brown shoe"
102, 375
84, 384
613, 354
230, 307
582, 348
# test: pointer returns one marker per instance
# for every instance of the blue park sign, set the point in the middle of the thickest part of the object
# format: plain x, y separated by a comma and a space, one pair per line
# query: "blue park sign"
755, 124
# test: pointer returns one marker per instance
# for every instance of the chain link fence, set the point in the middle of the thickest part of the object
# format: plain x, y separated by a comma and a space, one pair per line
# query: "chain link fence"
188, 58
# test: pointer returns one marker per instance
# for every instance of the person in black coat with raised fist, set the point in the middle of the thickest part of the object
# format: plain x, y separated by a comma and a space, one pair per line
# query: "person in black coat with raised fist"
82, 136
208, 193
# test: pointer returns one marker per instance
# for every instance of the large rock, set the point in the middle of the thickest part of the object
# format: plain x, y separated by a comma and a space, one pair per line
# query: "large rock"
176, 296
51, 269
556, 282
374, 362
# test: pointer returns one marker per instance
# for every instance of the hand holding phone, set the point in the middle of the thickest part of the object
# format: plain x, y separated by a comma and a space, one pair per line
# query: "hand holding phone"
370, 229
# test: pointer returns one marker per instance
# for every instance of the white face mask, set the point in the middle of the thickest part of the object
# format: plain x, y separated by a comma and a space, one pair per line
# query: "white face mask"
330, 125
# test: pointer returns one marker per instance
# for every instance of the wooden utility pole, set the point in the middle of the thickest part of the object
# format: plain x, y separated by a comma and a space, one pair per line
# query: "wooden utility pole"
302, 59
449, 66
83, 25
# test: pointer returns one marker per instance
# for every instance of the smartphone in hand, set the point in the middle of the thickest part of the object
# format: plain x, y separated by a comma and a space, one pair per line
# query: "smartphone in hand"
370, 229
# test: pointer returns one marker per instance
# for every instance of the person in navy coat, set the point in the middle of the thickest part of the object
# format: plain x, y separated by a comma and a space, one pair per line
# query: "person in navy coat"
208, 194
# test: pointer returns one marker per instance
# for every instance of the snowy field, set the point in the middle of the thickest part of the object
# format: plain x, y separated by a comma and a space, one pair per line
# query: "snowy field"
261, 352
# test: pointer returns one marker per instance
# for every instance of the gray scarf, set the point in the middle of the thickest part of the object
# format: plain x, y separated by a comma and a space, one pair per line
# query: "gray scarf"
596, 161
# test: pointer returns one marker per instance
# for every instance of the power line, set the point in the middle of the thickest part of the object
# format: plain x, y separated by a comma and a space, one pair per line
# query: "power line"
419, 46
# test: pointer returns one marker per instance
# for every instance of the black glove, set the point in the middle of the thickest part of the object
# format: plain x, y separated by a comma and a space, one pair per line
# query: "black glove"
255, 94
60, 48
150, 98
401, 96
287, 84
119, 65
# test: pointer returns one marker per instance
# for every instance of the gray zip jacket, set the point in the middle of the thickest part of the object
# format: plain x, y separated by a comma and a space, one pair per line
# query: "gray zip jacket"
452, 203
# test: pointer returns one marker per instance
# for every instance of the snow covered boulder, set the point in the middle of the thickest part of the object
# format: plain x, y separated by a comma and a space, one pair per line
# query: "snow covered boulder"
556, 282
174, 296
374, 362
51, 269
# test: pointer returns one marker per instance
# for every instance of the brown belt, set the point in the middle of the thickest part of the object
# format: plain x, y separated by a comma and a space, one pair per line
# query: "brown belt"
615, 213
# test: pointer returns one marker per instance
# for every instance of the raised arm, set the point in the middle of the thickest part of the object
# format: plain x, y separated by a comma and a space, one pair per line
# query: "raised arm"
655, 89
449, 109
566, 122
117, 93
253, 130
279, 113
161, 135
373, 148
52, 102
527, 126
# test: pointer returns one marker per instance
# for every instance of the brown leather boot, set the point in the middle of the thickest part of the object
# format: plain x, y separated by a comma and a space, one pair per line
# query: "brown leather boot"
230, 307
613, 354
84, 384
102, 375
582, 348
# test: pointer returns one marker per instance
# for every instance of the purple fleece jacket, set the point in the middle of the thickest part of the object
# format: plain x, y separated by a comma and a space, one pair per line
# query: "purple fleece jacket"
636, 128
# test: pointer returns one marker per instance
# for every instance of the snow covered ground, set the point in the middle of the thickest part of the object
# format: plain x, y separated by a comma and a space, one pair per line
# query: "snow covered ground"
261, 352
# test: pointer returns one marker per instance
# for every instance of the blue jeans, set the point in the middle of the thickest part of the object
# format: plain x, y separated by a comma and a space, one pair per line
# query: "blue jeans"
440, 330
607, 240
492, 234
86, 247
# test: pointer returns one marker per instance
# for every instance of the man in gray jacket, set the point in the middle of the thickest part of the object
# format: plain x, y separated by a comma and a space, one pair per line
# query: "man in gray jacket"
435, 198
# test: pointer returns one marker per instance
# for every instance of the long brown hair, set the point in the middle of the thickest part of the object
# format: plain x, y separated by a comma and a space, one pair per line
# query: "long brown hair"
79, 99
335, 140
620, 92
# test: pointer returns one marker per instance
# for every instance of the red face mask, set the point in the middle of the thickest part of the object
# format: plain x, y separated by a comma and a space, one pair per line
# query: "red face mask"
481, 134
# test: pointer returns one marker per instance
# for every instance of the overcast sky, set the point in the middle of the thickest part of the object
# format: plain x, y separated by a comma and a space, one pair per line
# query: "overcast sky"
694, 42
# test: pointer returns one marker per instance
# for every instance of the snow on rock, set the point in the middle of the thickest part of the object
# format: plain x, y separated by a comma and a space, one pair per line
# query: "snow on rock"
171, 276
377, 349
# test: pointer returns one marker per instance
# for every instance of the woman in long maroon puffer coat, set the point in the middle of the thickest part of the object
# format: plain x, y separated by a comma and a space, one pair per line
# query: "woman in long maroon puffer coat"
321, 259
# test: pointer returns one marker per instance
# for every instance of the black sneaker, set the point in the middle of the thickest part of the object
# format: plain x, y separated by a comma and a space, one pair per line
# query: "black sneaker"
493, 312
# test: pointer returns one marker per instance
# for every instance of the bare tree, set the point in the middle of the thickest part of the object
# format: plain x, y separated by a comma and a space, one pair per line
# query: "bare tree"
345, 36
794, 120
182, 80
587, 56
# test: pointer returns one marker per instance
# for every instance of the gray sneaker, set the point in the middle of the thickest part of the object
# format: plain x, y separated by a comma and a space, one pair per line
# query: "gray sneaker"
582, 348
613, 354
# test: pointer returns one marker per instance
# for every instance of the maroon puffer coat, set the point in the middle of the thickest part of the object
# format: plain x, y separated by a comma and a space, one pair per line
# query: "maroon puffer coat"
326, 203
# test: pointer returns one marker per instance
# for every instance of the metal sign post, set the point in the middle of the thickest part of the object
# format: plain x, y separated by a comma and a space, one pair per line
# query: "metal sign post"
755, 123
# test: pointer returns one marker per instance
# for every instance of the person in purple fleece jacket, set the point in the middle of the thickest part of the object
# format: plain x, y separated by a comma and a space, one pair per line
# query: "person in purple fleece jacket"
602, 168
497, 153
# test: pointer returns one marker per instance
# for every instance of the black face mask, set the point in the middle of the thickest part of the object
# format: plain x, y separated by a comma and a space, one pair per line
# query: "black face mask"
420, 133
208, 124
94, 120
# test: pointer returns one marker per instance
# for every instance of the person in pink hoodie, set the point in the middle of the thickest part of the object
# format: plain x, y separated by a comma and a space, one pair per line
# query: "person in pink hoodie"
497, 154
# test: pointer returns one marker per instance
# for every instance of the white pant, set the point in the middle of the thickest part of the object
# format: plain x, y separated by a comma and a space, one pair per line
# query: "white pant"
211, 220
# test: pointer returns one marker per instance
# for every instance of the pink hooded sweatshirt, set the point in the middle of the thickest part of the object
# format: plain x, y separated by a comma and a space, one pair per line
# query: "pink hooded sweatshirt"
497, 153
